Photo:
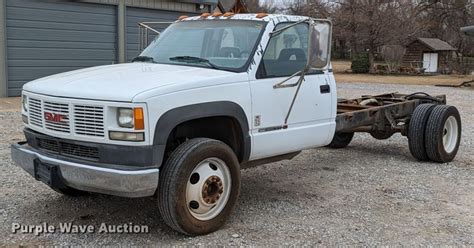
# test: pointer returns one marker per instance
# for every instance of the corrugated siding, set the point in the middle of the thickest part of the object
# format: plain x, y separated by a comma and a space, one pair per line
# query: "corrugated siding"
137, 15
164, 5
153, 4
45, 38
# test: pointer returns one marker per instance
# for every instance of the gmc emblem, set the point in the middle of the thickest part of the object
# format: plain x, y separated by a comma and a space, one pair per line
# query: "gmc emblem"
52, 117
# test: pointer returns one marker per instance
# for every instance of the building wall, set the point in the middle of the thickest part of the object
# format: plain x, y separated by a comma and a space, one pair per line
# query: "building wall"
19, 38
153, 4
45, 38
3, 51
414, 54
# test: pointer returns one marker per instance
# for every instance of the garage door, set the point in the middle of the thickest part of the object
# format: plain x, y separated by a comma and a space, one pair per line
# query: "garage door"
49, 37
137, 15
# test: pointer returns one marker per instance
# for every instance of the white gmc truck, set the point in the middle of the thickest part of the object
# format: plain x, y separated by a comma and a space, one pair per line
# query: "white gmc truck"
212, 95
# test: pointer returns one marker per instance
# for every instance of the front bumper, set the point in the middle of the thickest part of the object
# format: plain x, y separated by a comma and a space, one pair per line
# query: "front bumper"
125, 183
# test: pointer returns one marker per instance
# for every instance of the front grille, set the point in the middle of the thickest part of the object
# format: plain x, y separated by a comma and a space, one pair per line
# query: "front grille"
36, 112
69, 149
89, 120
50, 145
58, 119
86, 120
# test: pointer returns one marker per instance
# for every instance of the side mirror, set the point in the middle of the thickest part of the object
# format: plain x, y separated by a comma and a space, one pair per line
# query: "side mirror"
319, 44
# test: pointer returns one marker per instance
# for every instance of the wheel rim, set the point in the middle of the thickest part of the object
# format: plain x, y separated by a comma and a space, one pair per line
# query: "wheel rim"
208, 189
450, 134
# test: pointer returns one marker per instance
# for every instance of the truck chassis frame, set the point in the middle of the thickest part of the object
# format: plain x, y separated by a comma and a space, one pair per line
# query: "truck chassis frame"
381, 115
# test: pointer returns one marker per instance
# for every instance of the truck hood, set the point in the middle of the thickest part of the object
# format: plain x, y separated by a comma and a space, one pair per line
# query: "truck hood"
122, 82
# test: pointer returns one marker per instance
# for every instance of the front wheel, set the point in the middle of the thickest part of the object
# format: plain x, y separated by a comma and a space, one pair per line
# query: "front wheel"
199, 186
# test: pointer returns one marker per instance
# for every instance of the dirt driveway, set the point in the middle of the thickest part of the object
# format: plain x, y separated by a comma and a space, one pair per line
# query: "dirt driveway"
371, 193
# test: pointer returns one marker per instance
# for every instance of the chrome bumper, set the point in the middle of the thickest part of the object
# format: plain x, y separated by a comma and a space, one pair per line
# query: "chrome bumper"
125, 183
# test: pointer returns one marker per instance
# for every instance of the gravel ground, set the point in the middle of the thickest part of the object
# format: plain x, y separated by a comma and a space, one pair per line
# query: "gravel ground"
371, 193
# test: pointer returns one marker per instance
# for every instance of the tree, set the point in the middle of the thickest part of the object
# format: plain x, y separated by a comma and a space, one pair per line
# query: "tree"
446, 17
368, 25
256, 6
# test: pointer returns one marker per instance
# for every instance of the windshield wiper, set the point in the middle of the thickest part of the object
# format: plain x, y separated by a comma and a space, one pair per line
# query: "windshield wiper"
191, 59
144, 59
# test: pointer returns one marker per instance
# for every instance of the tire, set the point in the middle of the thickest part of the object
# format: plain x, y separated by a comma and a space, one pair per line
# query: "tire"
382, 135
179, 189
341, 140
443, 134
416, 131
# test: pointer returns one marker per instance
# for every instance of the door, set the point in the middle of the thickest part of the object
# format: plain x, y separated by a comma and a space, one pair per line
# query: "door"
309, 122
430, 62
49, 37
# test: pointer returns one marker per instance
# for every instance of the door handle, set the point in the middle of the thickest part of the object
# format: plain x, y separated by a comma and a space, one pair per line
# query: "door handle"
325, 89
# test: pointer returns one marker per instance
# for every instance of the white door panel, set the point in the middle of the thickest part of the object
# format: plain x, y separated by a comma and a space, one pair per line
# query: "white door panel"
310, 122
295, 138
273, 104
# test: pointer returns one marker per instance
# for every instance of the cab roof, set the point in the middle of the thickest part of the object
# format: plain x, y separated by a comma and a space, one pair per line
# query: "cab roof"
255, 17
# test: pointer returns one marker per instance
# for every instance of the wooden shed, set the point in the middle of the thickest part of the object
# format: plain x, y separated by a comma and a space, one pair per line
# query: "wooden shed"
430, 55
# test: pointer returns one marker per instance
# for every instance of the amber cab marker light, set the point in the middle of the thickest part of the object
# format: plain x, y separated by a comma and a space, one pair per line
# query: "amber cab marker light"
205, 15
182, 17
261, 15
216, 14
228, 14
139, 119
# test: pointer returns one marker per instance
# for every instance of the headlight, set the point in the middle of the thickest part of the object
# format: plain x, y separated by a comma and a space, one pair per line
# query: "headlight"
131, 118
24, 101
125, 117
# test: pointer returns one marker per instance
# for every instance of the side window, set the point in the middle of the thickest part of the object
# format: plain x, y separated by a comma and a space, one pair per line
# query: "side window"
286, 53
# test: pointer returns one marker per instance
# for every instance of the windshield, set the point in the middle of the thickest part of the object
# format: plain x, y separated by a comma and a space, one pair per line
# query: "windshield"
218, 44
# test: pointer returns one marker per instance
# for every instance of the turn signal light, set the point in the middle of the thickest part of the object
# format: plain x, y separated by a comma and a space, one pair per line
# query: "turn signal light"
139, 118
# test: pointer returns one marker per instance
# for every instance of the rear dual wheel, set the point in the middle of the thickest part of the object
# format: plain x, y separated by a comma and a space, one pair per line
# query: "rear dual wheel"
417, 130
443, 133
434, 133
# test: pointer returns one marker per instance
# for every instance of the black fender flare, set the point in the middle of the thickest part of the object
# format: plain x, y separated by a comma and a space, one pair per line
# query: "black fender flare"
170, 119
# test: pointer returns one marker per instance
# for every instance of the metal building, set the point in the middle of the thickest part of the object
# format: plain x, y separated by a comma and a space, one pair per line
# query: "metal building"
43, 37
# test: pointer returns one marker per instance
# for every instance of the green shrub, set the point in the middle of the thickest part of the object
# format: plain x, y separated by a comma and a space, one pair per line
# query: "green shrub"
360, 63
